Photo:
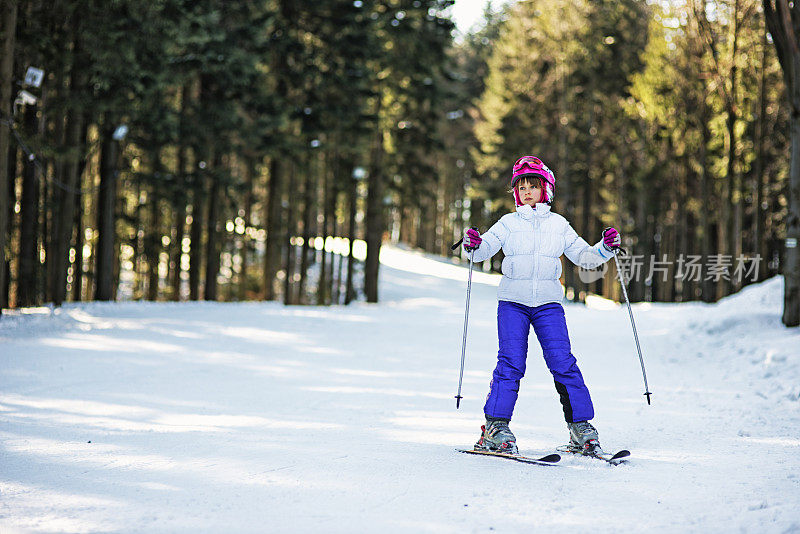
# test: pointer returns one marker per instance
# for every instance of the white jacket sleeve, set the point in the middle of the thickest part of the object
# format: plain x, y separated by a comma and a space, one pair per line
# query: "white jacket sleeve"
493, 239
581, 253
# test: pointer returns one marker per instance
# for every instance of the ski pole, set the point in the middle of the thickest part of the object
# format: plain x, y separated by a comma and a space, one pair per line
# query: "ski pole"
466, 320
633, 324
464, 342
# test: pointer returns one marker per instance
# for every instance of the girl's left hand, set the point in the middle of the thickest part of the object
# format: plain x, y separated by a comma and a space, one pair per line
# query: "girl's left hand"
611, 239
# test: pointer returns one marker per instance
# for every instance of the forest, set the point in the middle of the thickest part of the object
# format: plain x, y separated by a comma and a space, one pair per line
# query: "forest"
266, 149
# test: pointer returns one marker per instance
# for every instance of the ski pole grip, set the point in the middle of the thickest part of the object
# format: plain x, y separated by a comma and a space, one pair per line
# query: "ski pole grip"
458, 244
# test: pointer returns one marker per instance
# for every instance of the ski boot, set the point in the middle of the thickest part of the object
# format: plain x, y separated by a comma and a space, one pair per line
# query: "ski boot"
583, 438
496, 437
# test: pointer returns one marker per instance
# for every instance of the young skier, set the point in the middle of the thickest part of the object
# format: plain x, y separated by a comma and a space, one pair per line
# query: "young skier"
533, 240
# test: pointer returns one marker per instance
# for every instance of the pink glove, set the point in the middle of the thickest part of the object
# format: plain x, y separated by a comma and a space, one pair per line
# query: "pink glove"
611, 239
472, 239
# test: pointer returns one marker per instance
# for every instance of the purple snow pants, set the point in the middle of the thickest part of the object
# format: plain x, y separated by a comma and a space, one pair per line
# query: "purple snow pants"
513, 325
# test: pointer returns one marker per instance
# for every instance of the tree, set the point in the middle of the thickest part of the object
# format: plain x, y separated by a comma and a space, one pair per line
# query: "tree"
783, 24
8, 15
370, 113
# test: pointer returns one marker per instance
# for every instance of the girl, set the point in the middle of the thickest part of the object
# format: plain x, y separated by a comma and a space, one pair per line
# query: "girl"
533, 240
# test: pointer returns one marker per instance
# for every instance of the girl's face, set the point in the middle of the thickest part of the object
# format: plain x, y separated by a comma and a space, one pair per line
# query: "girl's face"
530, 191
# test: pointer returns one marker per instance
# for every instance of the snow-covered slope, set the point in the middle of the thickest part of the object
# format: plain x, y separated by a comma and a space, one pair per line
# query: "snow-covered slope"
210, 417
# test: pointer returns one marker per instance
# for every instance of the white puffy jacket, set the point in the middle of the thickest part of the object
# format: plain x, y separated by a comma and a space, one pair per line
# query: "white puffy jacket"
533, 241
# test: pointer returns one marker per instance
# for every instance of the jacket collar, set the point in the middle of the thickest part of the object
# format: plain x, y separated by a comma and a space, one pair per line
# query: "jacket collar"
528, 212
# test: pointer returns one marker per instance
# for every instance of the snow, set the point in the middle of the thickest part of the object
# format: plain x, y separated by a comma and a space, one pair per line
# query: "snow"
255, 417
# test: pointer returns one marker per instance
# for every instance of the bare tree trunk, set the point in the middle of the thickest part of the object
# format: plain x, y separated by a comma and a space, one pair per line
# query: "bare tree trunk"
178, 226
28, 261
249, 167
212, 231
374, 216
153, 234
791, 267
79, 273
80, 239
13, 158
709, 293
336, 282
176, 250
8, 30
272, 207
682, 287
77, 267
179, 204
351, 236
308, 215
196, 239
759, 241
139, 261
420, 230
46, 215
106, 223
734, 177
288, 293
57, 238
322, 286
337, 289
691, 289
340, 176
781, 21
636, 285
325, 290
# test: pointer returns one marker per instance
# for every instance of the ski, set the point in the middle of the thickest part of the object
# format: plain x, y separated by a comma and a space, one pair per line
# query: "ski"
550, 459
613, 459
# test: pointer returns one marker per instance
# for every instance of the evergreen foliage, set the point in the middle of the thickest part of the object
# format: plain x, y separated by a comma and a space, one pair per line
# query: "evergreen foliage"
267, 139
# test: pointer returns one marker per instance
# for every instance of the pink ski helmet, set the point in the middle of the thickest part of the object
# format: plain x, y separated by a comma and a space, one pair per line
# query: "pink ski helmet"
529, 166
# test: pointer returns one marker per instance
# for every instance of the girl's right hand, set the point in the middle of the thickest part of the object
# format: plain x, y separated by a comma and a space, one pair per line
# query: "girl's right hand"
611, 239
472, 239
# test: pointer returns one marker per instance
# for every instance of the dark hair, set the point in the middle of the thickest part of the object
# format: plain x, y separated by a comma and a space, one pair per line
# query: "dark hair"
532, 179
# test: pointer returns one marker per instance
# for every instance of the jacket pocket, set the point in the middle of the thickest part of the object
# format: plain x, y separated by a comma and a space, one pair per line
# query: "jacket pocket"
549, 268
518, 267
